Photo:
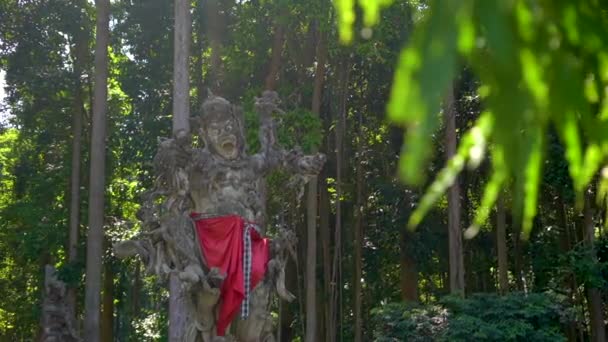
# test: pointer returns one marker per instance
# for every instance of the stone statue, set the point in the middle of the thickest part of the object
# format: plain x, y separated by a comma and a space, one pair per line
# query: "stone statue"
55, 319
204, 221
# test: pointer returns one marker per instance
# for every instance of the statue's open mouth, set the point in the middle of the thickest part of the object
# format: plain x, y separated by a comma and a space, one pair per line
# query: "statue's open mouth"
228, 144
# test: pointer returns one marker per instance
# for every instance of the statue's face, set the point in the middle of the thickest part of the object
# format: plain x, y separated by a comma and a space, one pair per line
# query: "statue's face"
222, 128
222, 136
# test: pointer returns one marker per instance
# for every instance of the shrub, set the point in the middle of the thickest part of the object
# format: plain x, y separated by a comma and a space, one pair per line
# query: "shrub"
482, 317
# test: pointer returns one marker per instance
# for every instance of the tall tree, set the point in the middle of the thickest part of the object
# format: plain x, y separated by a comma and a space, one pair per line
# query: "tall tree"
79, 55
216, 24
107, 313
95, 236
312, 203
358, 235
408, 271
181, 127
198, 53
501, 246
334, 312
278, 41
454, 230
594, 296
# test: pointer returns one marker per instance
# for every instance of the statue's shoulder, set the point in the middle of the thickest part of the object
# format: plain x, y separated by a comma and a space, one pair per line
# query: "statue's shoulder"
256, 161
201, 158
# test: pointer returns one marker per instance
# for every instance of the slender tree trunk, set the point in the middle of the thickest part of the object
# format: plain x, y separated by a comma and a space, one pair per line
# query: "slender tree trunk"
278, 41
358, 237
80, 51
107, 315
312, 208
408, 271
95, 236
75, 197
181, 55
454, 231
594, 296
564, 244
578, 235
323, 250
518, 264
198, 52
311, 260
178, 318
287, 315
215, 32
334, 310
136, 290
501, 246
326, 253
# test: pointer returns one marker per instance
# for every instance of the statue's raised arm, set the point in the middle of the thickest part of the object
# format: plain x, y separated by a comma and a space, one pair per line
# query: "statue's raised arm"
170, 162
270, 151
272, 154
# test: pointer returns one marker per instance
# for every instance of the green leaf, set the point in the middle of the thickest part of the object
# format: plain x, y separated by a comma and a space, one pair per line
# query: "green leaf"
345, 10
371, 10
532, 178
420, 84
491, 191
448, 174
602, 193
466, 29
533, 77
567, 127
525, 21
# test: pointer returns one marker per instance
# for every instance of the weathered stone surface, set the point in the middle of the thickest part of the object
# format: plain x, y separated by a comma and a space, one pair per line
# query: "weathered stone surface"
218, 179
55, 318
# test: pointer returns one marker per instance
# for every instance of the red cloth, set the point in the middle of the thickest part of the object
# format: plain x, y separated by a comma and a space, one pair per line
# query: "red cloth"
221, 240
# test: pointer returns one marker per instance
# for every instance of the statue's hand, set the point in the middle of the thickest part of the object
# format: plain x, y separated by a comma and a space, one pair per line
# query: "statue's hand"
311, 164
174, 152
268, 103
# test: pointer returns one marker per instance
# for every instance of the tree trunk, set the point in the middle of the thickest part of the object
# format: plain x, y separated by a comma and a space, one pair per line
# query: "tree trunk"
565, 246
324, 234
277, 50
594, 296
358, 237
107, 317
312, 208
198, 52
215, 32
136, 290
80, 52
311, 260
335, 289
178, 318
501, 246
454, 231
518, 264
181, 55
97, 177
408, 271
286, 329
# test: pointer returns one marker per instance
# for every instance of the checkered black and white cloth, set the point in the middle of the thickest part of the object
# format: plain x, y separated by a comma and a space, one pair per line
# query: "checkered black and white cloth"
247, 268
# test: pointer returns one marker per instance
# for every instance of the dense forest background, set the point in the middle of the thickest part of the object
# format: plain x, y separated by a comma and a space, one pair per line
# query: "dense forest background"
376, 279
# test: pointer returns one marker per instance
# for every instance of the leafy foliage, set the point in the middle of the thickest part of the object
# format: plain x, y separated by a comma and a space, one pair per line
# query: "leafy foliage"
483, 317
515, 48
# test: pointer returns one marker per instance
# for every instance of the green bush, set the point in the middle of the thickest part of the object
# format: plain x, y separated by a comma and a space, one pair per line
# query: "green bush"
482, 317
